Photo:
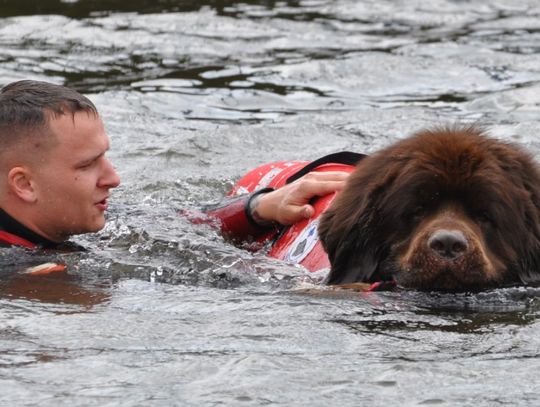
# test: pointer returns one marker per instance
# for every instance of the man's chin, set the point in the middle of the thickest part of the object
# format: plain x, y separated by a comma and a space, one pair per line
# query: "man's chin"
91, 228
98, 226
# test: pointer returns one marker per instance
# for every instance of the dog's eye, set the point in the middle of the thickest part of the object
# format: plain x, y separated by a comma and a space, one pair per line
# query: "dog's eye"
484, 217
417, 212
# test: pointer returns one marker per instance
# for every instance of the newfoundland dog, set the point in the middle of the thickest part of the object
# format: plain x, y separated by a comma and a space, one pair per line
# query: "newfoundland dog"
447, 209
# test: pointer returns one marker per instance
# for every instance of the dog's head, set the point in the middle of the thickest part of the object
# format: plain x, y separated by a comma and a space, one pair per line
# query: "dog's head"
445, 209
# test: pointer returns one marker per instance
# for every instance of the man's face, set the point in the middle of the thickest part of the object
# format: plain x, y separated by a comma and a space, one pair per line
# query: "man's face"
73, 178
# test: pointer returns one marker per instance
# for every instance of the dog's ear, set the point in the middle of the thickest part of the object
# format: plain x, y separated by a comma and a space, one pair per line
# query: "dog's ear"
353, 258
529, 258
349, 229
524, 236
529, 270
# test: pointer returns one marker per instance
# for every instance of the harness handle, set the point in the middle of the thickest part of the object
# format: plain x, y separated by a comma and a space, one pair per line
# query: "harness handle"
343, 157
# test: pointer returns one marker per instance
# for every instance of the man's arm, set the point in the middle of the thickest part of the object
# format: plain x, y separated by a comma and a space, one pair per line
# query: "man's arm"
290, 203
253, 215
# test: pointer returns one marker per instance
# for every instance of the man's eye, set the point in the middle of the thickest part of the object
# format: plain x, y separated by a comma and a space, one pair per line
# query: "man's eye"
86, 165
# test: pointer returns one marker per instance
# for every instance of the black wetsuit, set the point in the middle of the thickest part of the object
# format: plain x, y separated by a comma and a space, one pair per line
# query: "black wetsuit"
14, 233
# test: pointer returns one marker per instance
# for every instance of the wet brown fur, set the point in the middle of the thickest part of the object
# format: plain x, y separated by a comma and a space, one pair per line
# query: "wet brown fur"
454, 179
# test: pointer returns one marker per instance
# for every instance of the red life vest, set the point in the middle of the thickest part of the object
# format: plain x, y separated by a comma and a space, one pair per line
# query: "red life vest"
298, 243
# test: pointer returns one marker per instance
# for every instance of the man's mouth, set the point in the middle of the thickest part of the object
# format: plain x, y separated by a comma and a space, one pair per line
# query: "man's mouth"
102, 205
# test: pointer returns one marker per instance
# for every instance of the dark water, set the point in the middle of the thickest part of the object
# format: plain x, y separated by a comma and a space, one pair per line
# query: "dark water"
160, 312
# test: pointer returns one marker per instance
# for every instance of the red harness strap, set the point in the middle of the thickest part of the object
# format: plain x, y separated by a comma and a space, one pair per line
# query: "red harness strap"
383, 285
15, 240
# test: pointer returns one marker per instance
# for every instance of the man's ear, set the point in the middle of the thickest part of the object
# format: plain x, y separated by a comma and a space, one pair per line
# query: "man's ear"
20, 183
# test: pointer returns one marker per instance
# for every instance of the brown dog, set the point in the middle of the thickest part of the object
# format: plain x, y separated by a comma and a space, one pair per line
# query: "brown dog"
446, 209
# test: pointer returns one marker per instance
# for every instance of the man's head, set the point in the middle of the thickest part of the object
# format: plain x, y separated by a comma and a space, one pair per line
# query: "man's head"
54, 177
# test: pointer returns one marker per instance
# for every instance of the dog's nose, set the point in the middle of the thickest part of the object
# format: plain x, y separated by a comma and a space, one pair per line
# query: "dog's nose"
449, 244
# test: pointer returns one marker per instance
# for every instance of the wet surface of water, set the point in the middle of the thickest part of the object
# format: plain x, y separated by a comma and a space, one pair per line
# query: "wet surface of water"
194, 94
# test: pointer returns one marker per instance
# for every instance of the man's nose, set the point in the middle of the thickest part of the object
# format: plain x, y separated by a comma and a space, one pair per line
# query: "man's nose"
109, 178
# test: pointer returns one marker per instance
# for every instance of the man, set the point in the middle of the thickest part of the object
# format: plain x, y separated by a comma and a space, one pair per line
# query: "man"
55, 180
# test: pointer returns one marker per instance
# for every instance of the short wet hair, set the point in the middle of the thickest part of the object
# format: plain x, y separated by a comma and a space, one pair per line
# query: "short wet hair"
26, 107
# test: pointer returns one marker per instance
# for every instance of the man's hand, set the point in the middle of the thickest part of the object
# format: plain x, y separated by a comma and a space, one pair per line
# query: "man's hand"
290, 203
